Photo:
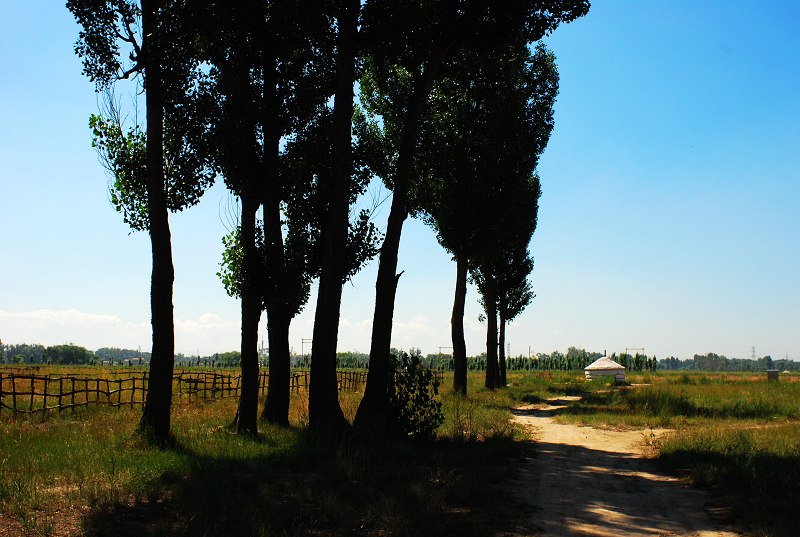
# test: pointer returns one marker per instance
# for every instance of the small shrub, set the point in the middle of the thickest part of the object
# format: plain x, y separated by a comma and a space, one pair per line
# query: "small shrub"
412, 396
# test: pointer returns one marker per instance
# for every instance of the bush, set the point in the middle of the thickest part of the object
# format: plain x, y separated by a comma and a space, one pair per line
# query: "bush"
412, 397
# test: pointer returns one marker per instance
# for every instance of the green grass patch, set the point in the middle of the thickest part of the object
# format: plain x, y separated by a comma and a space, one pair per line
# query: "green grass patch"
672, 404
757, 467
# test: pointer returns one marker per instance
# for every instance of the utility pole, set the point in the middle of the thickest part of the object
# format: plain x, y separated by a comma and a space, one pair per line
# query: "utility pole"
303, 347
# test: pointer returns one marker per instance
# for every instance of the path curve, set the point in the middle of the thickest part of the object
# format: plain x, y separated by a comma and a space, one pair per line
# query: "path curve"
594, 482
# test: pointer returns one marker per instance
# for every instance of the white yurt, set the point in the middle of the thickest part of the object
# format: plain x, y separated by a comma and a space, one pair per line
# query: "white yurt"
605, 367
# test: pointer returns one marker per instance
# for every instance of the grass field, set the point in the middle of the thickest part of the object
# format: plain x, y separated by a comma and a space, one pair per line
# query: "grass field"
86, 472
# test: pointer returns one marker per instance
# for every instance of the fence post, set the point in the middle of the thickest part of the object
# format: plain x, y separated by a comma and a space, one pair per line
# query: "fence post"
14, 393
33, 390
1, 392
46, 387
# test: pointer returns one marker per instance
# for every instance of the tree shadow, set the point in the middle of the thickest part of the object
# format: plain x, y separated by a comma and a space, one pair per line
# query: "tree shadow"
583, 491
758, 490
555, 407
762, 488
393, 489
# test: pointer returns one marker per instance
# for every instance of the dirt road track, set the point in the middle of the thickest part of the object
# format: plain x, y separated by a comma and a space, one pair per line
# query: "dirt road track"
592, 482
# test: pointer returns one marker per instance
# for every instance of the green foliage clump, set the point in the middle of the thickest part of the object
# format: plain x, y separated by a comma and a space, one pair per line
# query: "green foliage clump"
123, 155
68, 354
412, 397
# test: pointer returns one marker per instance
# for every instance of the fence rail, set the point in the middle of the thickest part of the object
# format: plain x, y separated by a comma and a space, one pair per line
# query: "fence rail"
27, 393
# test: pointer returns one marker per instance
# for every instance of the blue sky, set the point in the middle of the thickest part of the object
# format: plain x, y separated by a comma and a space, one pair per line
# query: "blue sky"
669, 217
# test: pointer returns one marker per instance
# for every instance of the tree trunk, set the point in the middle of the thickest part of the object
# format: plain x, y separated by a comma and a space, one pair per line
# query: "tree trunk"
457, 329
242, 109
276, 407
247, 413
155, 421
325, 415
502, 352
491, 333
372, 417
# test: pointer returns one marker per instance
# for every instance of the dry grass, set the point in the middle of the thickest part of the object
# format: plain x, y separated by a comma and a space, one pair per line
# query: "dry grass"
87, 473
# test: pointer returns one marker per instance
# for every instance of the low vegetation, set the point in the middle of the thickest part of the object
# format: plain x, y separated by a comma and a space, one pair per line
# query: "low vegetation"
87, 473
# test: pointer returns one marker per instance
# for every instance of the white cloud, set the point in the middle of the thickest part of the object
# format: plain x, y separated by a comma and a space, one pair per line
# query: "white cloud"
90, 330
207, 334
420, 331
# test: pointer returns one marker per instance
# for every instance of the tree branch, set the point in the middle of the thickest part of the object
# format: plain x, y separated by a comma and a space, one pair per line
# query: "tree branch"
137, 67
131, 38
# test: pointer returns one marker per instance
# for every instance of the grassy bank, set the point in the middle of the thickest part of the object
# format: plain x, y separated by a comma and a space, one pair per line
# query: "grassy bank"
86, 473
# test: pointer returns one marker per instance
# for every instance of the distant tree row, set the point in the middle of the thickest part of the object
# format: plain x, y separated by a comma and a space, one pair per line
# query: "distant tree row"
573, 359
715, 362
39, 354
116, 355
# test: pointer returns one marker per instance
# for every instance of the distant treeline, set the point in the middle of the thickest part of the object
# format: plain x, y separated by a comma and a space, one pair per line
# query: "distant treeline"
24, 353
574, 359
716, 362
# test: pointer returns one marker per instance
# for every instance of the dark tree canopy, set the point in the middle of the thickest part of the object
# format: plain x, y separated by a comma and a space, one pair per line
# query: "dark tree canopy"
402, 70
454, 110
490, 119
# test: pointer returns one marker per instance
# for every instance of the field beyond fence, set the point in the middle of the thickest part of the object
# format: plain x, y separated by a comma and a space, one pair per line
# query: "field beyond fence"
28, 393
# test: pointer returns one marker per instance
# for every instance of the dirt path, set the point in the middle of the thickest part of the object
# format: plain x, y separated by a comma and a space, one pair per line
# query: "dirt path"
593, 482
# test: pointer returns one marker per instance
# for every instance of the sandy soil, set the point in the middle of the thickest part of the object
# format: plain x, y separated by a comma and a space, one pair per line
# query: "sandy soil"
592, 482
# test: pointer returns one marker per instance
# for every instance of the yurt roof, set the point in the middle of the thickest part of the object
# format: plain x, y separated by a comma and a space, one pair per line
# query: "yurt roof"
603, 363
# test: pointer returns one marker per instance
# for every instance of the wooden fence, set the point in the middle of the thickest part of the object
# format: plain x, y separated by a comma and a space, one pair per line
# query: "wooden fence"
27, 393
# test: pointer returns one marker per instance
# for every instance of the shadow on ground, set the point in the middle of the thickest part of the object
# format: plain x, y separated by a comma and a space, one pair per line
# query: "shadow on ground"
441, 488
587, 481
584, 491
555, 407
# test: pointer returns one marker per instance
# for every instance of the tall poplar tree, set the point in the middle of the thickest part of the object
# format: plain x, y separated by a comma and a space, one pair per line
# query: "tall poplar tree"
273, 74
325, 415
155, 169
404, 67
